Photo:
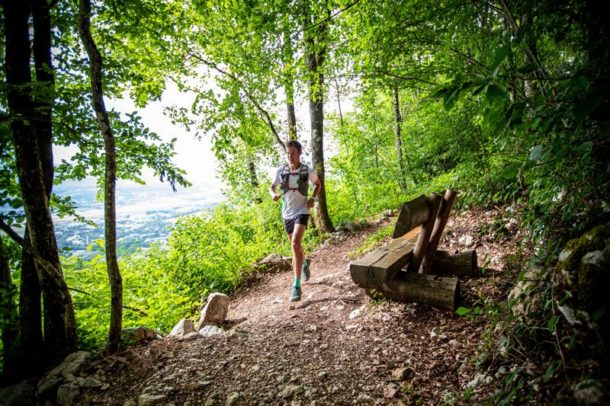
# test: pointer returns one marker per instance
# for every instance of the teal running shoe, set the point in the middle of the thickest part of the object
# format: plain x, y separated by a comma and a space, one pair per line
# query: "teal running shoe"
295, 295
305, 270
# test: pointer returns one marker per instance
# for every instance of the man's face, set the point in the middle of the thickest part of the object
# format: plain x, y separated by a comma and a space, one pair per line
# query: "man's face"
293, 156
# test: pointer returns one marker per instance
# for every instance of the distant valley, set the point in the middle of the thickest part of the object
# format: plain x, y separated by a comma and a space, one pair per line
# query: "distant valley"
145, 214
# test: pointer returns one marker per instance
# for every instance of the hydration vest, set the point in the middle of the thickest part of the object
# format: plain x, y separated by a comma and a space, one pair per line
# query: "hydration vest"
302, 180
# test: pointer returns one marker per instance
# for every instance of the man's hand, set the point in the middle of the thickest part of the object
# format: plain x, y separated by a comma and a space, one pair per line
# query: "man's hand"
310, 202
275, 197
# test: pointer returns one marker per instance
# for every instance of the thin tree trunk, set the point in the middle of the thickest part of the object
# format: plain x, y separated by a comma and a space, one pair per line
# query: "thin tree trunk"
339, 101
60, 334
254, 181
112, 266
43, 108
315, 53
9, 322
289, 88
397, 120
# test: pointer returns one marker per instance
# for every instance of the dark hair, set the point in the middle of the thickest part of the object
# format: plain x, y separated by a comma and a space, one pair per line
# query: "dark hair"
295, 144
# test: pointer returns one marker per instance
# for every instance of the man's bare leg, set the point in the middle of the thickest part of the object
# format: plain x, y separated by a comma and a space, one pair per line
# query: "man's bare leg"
298, 255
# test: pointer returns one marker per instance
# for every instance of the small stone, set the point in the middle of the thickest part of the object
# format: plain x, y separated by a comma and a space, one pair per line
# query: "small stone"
322, 374
130, 402
401, 374
184, 327
211, 401
589, 392
290, 391
135, 334
67, 393
148, 399
363, 398
209, 331
232, 399
356, 313
390, 391
89, 382
466, 240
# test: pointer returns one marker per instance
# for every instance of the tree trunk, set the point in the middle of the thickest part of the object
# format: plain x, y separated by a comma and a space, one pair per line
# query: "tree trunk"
9, 323
30, 313
397, 121
339, 102
289, 88
254, 181
315, 53
60, 334
112, 266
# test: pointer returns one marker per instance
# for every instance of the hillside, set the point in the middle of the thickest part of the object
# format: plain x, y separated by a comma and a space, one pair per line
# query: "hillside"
335, 346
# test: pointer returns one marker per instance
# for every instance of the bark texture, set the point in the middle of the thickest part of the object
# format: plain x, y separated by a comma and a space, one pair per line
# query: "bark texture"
397, 126
101, 115
8, 322
315, 53
59, 327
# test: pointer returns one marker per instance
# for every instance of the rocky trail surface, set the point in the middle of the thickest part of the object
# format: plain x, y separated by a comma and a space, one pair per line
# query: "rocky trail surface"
335, 346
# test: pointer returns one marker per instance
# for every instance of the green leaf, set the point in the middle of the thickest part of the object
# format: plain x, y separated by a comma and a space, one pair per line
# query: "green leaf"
462, 311
501, 54
495, 94
586, 106
584, 148
552, 322
537, 153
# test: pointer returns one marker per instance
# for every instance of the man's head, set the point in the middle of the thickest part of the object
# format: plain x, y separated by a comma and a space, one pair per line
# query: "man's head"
293, 152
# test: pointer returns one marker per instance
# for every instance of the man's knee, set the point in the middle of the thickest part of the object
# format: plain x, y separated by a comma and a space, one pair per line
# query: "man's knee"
296, 245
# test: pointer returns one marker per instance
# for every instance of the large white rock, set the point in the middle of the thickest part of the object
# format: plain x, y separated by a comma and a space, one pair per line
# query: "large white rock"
215, 310
183, 327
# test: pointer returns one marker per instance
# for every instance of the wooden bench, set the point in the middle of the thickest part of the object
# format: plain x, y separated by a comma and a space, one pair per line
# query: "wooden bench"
407, 268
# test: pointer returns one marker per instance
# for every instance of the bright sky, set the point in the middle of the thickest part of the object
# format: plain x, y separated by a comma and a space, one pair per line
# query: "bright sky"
196, 157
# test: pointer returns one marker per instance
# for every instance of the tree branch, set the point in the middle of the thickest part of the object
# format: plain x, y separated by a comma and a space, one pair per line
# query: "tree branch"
142, 312
322, 21
41, 261
266, 116
412, 78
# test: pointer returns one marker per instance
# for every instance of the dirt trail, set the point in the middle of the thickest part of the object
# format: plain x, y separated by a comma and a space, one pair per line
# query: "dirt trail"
335, 346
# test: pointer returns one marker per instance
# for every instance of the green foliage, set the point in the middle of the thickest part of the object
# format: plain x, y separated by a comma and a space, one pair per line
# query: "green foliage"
372, 241
167, 282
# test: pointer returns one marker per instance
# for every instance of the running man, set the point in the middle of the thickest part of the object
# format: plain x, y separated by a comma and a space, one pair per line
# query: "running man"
293, 179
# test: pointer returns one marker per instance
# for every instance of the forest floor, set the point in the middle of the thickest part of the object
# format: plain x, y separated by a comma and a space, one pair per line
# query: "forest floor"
335, 346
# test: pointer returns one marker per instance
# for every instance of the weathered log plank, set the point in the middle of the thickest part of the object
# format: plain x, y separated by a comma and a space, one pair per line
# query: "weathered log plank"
426, 289
461, 264
424, 235
439, 226
412, 214
382, 264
